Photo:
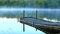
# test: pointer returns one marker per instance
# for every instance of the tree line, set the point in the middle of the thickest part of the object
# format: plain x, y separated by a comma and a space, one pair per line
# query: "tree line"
31, 3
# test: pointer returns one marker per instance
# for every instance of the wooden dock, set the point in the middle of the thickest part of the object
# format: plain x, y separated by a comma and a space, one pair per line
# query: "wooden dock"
43, 25
47, 27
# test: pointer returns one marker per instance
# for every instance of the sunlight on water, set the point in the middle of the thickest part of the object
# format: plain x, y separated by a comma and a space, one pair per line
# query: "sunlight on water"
50, 20
11, 26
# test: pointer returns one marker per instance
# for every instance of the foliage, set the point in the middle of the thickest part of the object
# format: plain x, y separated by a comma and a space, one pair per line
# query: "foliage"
31, 3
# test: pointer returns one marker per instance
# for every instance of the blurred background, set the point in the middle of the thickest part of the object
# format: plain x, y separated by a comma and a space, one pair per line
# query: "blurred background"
12, 10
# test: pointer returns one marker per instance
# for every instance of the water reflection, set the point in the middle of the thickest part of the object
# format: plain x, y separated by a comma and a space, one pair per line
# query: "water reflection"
11, 26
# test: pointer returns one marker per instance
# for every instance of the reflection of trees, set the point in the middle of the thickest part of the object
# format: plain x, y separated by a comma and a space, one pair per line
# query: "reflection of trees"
49, 15
16, 14
41, 14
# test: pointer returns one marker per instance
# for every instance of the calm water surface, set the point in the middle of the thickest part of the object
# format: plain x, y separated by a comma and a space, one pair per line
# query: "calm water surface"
11, 26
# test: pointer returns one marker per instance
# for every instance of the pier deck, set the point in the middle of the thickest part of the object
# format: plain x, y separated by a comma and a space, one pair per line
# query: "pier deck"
43, 25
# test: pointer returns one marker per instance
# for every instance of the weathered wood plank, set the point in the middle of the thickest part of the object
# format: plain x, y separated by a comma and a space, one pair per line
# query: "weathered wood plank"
45, 26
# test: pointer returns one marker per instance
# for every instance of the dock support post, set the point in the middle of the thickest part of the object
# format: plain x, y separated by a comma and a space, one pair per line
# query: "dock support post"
23, 23
23, 27
36, 18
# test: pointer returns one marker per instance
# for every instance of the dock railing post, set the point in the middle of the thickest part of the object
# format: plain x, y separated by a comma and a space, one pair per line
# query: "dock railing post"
36, 14
23, 23
24, 13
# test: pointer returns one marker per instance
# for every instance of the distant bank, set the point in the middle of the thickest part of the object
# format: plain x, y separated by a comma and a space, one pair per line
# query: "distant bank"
29, 9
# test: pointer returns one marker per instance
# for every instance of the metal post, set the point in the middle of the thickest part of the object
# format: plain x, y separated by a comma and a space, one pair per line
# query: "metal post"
33, 24
23, 27
23, 13
36, 18
23, 23
36, 14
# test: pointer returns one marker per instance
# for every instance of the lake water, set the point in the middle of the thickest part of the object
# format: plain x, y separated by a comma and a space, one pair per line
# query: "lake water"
11, 26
